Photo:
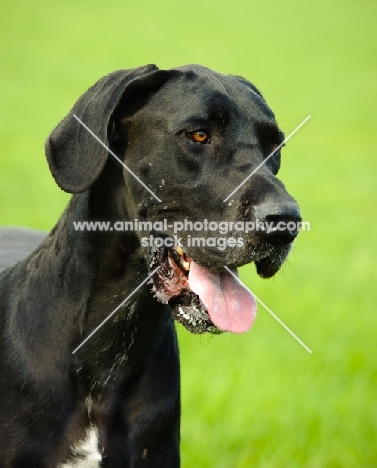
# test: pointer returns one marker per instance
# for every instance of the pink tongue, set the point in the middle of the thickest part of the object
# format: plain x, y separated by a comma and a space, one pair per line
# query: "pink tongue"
230, 306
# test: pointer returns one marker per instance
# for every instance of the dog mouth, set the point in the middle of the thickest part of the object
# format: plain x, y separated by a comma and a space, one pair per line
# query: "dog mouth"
268, 259
201, 299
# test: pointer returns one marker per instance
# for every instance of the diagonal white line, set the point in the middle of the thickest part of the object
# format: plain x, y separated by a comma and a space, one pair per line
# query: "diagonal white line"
116, 157
268, 157
270, 311
116, 310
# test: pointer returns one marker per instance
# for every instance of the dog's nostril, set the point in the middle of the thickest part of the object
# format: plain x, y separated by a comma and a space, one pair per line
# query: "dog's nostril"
281, 229
279, 225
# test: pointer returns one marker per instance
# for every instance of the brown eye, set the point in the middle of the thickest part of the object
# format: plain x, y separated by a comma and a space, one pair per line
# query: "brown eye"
199, 136
274, 147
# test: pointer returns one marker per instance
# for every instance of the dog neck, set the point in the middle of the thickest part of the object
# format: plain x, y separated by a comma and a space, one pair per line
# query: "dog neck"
89, 275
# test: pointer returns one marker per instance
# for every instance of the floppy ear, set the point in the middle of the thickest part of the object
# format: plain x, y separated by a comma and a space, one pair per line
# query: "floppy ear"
75, 157
249, 85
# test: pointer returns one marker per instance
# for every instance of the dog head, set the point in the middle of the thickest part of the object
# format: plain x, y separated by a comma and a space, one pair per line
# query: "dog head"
192, 136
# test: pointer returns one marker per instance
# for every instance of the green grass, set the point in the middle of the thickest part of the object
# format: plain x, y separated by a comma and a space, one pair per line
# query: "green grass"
256, 400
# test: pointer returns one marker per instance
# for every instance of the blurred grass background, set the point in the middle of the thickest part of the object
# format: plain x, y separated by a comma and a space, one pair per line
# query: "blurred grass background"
256, 400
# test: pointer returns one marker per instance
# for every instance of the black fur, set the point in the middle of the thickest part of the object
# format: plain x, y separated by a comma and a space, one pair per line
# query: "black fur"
125, 379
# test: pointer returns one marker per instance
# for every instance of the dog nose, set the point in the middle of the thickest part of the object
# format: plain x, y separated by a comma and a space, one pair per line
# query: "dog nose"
278, 224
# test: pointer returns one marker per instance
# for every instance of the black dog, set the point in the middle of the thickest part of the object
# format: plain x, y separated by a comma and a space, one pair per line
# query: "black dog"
192, 136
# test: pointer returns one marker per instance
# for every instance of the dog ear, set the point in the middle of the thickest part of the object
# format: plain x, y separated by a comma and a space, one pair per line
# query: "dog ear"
249, 85
75, 157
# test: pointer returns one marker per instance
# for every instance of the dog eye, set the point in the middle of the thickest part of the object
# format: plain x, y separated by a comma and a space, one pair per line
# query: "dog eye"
199, 136
274, 147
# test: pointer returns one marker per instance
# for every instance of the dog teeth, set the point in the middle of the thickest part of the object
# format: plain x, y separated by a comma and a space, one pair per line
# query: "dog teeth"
186, 265
179, 250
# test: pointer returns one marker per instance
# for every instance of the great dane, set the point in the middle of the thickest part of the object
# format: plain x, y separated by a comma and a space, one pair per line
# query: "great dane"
190, 136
